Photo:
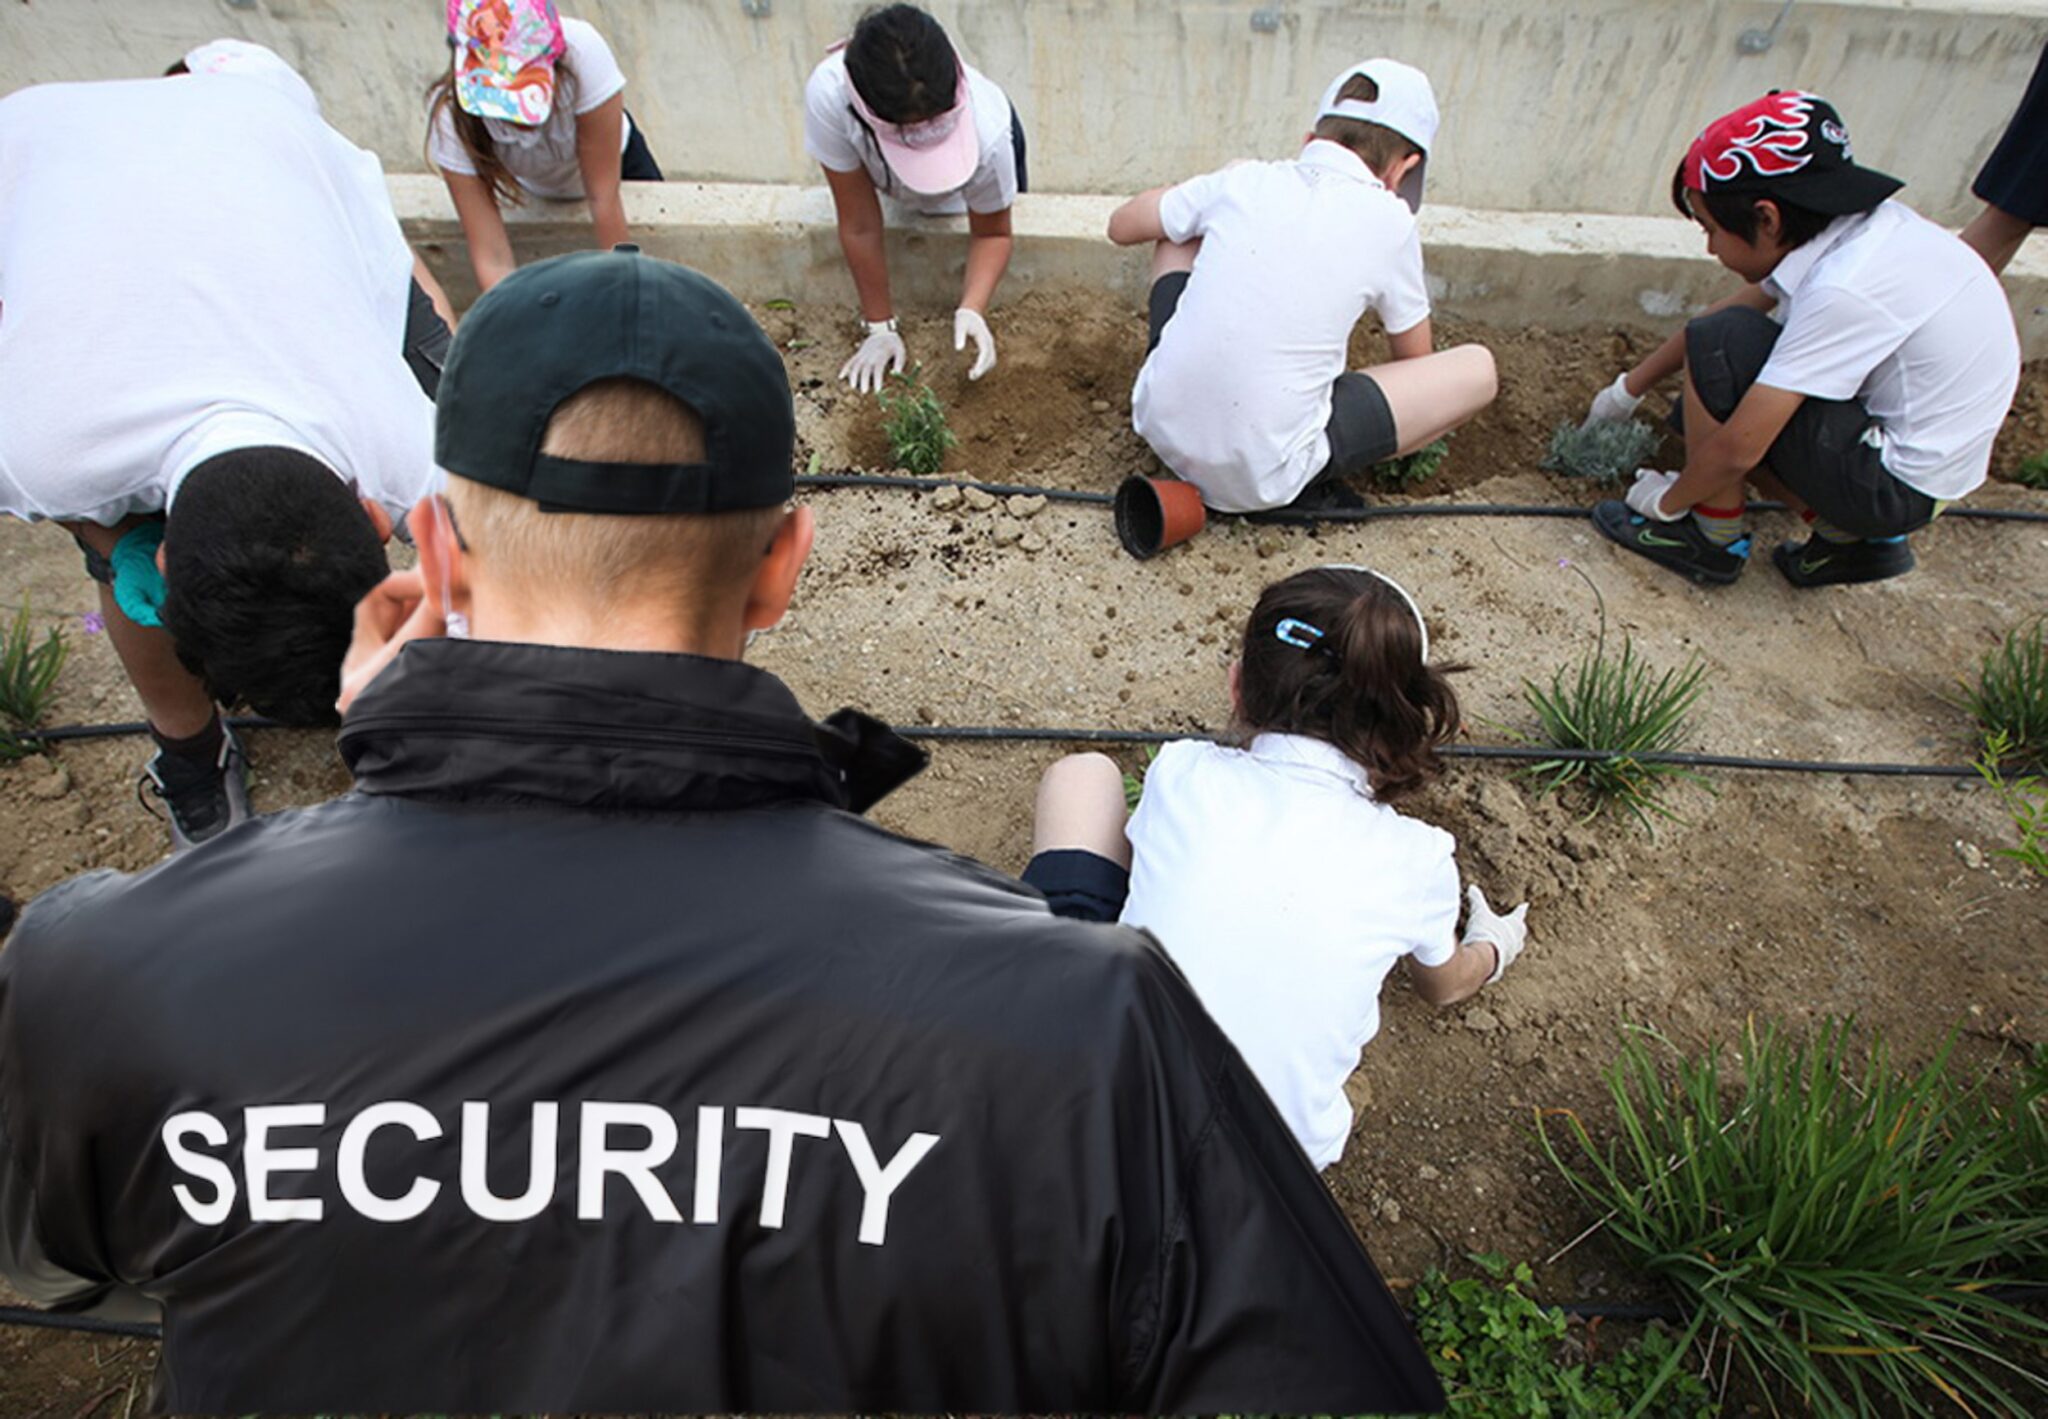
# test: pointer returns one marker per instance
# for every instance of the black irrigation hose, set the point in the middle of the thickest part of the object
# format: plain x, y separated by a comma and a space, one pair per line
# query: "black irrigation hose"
1285, 515
1039, 734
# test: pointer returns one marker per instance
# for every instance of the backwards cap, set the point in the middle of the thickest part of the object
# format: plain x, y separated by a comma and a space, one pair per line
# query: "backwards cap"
1406, 104
552, 328
1786, 144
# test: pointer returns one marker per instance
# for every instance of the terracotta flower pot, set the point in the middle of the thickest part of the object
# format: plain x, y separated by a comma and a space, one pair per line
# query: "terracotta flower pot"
1153, 514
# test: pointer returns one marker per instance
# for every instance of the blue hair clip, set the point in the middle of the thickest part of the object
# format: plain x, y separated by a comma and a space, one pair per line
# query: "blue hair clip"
1299, 634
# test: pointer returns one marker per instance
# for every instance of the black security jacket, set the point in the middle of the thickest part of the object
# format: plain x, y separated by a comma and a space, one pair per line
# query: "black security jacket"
592, 1055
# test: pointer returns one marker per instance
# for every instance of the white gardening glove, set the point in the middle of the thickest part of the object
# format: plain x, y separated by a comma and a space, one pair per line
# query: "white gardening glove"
1613, 404
879, 356
1509, 934
1646, 496
969, 325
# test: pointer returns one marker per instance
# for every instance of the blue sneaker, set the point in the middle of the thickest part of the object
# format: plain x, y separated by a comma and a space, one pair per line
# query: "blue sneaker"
1679, 545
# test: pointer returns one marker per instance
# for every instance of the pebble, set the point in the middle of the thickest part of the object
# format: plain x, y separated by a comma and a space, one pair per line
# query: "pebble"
1100, 406
1970, 853
53, 785
1269, 546
1008, 534
1033, 542
977, 499
1023, 505
1482, 1021
1099, 650
946, 499
1427, 1173
1523, 1048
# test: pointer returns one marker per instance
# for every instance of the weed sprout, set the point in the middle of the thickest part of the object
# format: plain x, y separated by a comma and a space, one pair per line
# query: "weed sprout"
28, 679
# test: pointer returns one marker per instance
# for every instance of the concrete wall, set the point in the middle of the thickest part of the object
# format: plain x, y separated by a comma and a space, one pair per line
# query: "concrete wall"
769, 241
1577, 105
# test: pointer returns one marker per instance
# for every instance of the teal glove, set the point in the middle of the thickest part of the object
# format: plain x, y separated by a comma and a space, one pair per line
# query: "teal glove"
138, 585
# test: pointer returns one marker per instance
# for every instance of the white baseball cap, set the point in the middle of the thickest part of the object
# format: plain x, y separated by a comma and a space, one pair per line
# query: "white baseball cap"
1406, 104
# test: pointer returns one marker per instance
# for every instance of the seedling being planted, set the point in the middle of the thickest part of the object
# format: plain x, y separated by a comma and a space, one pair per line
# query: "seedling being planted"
2010, 699
915, 423
1397, 475
1603, 452
28, 678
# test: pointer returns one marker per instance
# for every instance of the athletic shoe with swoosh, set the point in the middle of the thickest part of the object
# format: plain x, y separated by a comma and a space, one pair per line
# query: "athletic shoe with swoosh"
1819, 562
1680, 545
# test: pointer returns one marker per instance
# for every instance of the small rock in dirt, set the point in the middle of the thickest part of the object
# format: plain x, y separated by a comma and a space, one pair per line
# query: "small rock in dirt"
1123, 697
1100, 406
54, 784
946, 499
1391, 1213
1008, 534
1187, 588
1970, 853
1523, 1047
1026, 504
977, 499
1033, 542
1269, 546
1427, 1173
1482, 1021
1099, 651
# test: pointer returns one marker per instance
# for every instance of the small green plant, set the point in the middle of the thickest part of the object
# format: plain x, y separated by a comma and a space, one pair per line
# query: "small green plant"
2026, 799
2010, 699
1605, 452
915, 423
1615, 705
1838, 1225
1397, 475
2032, 472
28, 678
1134, 780
1500, 1355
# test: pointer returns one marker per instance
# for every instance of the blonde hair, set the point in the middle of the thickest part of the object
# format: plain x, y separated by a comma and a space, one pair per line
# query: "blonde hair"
606, 560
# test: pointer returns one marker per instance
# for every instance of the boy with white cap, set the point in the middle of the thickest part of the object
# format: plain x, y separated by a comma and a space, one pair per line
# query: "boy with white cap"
1260, 271
896, 111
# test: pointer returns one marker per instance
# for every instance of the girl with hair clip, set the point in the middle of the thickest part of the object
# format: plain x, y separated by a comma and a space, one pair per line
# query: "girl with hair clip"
1274, 870
532, 103
896, 111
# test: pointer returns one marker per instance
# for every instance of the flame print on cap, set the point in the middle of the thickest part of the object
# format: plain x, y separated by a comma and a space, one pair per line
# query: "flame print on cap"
1769, 135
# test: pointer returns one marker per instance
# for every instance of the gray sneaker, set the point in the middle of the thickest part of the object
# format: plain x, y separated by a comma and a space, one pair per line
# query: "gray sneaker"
202, 801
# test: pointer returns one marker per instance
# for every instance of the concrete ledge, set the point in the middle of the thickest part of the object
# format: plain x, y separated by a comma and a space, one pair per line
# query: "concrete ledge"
765, 241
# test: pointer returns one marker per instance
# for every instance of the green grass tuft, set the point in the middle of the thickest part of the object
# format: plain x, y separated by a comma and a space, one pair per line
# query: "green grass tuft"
2032, 472
1134, 780
2010, 699
1837, 1225
915, 424
2026, 799
1603, 452
1398, 475
28, 680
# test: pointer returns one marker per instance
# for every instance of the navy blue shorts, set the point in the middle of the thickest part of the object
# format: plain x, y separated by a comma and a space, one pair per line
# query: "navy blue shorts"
1079, 884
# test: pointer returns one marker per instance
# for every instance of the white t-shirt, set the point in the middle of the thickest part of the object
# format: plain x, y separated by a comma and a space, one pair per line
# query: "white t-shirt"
542, 158
836, 138
1285, 893
1887, 308
190, 266
1236, 397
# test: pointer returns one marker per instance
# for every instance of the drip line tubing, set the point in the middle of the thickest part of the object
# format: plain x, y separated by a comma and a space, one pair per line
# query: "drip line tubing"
1309, 517
1060, 734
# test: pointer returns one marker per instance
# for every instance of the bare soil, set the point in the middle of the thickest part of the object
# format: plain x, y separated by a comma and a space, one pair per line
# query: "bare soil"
1794, 896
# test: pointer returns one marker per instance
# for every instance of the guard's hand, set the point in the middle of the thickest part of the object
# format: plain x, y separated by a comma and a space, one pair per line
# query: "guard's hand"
969, 325
1613, 404
1509, 934
1646, 496
879, 356
396, 611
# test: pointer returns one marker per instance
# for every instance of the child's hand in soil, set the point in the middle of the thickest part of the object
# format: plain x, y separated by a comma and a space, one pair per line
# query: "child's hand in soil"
879, 356
1509, 934
1613, 404
970, 325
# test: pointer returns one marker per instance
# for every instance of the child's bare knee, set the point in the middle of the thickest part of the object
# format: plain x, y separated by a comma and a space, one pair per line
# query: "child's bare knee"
1078, 772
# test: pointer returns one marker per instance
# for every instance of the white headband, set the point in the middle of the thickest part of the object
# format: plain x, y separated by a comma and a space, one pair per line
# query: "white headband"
1401, 590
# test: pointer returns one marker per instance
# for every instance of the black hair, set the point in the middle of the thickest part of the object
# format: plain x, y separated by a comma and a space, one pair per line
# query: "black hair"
902, 65
1362, 685
266, 553
1736, 212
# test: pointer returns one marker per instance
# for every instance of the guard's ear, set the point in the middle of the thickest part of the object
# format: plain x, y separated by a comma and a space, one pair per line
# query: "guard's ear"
775, 579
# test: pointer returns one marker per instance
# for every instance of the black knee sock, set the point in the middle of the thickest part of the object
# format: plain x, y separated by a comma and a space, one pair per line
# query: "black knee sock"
200, 748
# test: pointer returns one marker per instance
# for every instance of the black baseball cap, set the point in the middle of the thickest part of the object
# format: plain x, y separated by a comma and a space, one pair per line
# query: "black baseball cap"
549, 329
1789, 145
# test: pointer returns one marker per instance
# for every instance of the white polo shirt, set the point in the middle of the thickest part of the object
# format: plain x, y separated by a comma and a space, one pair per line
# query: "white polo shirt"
1236, 398
190, 266
1285, 893
1889, 309
542, 157
836, 138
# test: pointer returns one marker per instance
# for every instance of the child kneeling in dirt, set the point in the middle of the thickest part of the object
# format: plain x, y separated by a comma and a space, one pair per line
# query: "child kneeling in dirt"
1869, 403
1259, 273
1275, 874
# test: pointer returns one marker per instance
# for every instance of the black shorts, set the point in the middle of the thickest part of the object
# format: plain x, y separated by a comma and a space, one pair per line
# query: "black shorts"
636, 163
426, 340
1361, 428
1824, 454
1079, 884
1017, 150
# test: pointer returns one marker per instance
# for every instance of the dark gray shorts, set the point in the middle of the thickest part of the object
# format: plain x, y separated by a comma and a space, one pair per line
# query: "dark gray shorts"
1821, 455
1079, 884
1361, 428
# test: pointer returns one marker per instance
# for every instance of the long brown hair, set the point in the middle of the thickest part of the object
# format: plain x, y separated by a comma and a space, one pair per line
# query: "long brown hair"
476, 138
1348, 670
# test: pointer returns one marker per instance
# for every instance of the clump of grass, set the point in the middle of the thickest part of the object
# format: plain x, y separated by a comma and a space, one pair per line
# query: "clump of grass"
2032, 472
1604, 452
1134, 779
1837, 1225
915, 423
2025, 799
1616, 705
28, 678
1397, 475
2010, 699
